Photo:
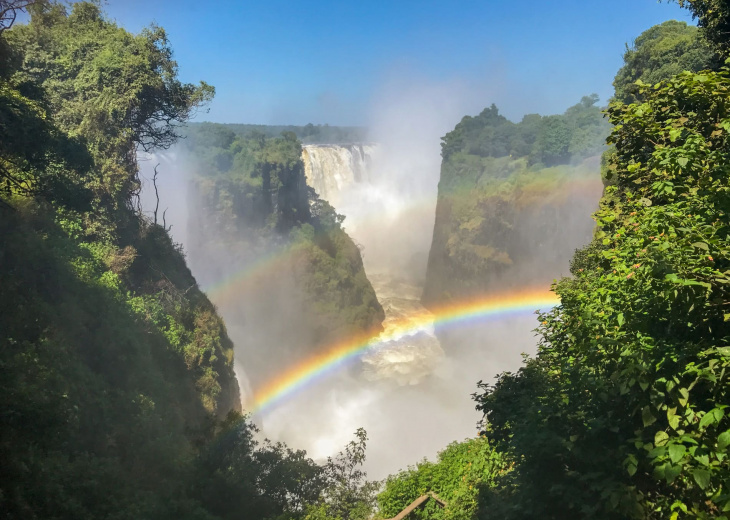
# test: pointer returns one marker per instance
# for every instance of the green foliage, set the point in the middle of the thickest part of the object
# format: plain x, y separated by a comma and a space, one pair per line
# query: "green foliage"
259, 182
236, 474
496, 195
106, 87
550, 140
100, 410
307, 134
463, 471
253, 190
347, 494
623, 409
660, 53
714, 19
35, 157
489, 212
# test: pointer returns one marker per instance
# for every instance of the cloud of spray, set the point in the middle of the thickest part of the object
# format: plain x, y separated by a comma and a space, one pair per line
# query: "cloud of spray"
393, 217
416, 401
412, 398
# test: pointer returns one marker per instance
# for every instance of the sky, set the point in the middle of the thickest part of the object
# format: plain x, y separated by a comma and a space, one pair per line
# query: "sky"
325, 61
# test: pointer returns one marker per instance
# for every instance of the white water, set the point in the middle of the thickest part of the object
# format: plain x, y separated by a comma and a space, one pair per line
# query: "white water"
345, 176
331, 169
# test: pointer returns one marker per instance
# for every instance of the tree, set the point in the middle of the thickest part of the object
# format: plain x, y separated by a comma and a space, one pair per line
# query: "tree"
553, 141
714, 19
116, 91
347, 495
660, 53
265, 480
36, 158
463, 471
9, 12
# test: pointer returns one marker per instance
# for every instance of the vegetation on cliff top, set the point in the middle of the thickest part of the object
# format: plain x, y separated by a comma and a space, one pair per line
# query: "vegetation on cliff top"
307, 134
545, 140
659, 53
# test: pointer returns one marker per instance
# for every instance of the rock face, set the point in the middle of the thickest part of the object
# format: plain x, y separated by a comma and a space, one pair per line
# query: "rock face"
501, 225
273, 257
514, 200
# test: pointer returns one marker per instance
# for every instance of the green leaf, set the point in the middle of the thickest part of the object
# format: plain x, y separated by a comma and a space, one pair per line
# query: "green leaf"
673, 418
711, 417
672, 471
676, 452
620, 319
647, 417
631, 468
703, 459
702, 477
701, 245
685, 396
682, 161
723, 440
661, 438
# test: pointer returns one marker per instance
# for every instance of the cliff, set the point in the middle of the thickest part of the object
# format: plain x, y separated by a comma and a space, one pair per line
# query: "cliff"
285, 275
514, 201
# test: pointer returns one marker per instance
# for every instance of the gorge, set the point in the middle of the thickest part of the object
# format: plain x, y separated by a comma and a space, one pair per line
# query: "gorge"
186, 306
496, 229
396, 381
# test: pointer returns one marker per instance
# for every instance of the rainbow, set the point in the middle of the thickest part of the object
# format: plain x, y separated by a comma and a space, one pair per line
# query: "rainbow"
339, 354
229, 288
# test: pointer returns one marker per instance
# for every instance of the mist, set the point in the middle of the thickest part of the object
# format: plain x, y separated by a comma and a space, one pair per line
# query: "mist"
413, 397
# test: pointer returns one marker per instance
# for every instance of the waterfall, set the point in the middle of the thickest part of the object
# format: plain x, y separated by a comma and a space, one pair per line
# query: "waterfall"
376, 214
331, 169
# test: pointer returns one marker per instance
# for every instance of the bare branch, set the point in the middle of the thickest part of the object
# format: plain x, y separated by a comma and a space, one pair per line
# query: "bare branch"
157, 194
9, 12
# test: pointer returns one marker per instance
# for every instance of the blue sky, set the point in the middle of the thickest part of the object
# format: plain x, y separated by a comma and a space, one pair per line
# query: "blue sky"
296, 62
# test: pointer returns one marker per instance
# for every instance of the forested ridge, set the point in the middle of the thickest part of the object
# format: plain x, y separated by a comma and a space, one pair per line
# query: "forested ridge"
307, 134
116, 371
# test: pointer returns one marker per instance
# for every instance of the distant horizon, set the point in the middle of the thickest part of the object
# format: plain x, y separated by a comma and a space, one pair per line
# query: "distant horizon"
366, 127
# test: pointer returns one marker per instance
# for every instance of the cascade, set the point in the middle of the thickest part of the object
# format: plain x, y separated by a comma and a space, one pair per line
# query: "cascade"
346, 177
331, 169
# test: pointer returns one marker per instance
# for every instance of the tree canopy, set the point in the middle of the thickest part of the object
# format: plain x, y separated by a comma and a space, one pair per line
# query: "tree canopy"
115, 91
660, 53
549, 140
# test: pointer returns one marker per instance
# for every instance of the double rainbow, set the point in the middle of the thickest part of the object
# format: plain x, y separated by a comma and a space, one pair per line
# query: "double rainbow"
339, 354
